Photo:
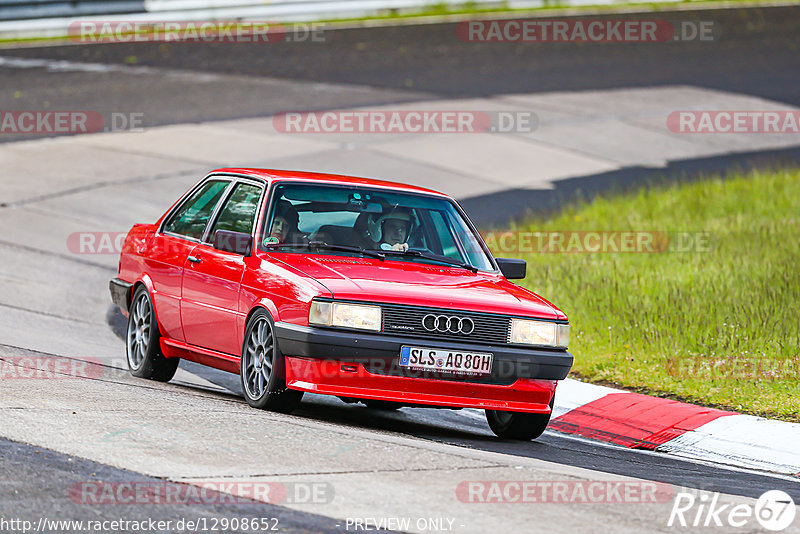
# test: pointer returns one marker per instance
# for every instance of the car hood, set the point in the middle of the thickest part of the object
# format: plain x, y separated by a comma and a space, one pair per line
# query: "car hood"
420, 284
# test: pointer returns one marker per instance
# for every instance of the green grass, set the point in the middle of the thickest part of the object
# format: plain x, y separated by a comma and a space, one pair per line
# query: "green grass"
719, 327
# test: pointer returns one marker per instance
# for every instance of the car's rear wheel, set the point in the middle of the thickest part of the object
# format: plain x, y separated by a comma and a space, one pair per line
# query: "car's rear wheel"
143, 349
518, 425
263, 368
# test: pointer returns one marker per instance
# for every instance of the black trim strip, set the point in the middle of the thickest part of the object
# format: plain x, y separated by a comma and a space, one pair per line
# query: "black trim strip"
120, 293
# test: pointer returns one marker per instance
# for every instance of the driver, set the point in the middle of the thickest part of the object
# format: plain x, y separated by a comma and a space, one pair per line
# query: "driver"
395, 228
284, 224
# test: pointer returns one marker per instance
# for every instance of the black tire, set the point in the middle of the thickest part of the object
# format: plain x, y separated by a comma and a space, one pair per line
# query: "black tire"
142, 341
263, 369
518, 425
384, 406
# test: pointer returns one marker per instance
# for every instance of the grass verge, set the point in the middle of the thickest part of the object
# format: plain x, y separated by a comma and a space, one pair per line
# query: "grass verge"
716, 324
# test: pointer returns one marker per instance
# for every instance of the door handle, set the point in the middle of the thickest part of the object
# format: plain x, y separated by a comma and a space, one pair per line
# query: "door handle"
194, 259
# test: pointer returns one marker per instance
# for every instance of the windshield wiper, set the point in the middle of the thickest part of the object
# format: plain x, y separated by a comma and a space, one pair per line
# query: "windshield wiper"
415, 253
327, 246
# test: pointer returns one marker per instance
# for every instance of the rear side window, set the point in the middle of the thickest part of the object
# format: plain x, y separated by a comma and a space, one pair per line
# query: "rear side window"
239, 212
191, 218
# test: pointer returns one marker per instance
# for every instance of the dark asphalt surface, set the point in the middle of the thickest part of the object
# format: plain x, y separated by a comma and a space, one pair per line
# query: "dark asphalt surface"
495, 209
161, 98
755, 51
36, 482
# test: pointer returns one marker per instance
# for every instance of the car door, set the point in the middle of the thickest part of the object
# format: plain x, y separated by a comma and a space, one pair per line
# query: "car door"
212, 278
170, 247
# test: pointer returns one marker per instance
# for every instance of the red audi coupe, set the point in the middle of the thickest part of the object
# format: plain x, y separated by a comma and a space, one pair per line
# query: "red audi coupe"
373, 291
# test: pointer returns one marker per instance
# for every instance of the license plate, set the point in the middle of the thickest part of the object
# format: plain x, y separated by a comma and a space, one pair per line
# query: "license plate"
448, 361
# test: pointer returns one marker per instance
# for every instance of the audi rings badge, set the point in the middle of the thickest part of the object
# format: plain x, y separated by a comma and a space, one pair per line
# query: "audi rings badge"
448, 324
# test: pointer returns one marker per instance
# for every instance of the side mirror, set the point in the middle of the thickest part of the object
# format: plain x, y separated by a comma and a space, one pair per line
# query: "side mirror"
512, 268
235, 242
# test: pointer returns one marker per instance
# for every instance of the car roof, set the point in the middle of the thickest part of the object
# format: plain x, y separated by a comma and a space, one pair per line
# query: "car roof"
305, 176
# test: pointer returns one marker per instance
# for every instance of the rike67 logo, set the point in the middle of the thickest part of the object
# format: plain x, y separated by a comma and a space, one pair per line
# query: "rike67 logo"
774, 511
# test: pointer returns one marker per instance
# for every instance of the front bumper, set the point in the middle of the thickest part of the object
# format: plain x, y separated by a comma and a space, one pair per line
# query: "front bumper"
365, 365
380, 353
344, 379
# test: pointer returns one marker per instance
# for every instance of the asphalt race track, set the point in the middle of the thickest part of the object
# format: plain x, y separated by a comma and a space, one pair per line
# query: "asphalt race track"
755, 53
114, 428
470, 430
33, 479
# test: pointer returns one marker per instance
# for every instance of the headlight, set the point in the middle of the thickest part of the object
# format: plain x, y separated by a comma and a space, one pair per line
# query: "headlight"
345, 315
539, 333
563, 335
320, 313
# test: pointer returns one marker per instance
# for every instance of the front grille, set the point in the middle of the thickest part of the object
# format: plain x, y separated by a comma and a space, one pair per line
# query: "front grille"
407, 320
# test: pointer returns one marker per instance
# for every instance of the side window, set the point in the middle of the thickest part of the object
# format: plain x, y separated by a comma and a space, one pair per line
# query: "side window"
449, 247
469, 242
192, 216
239, 212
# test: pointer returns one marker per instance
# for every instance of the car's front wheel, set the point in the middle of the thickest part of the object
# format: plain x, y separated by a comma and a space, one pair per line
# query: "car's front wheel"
518, 425
263, 369
143, 350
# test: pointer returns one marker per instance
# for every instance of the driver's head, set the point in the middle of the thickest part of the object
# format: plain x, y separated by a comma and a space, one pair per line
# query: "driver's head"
396, 226
280, 228
284, 222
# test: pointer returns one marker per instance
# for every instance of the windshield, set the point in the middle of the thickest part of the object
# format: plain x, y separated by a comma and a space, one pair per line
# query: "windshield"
401, 225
